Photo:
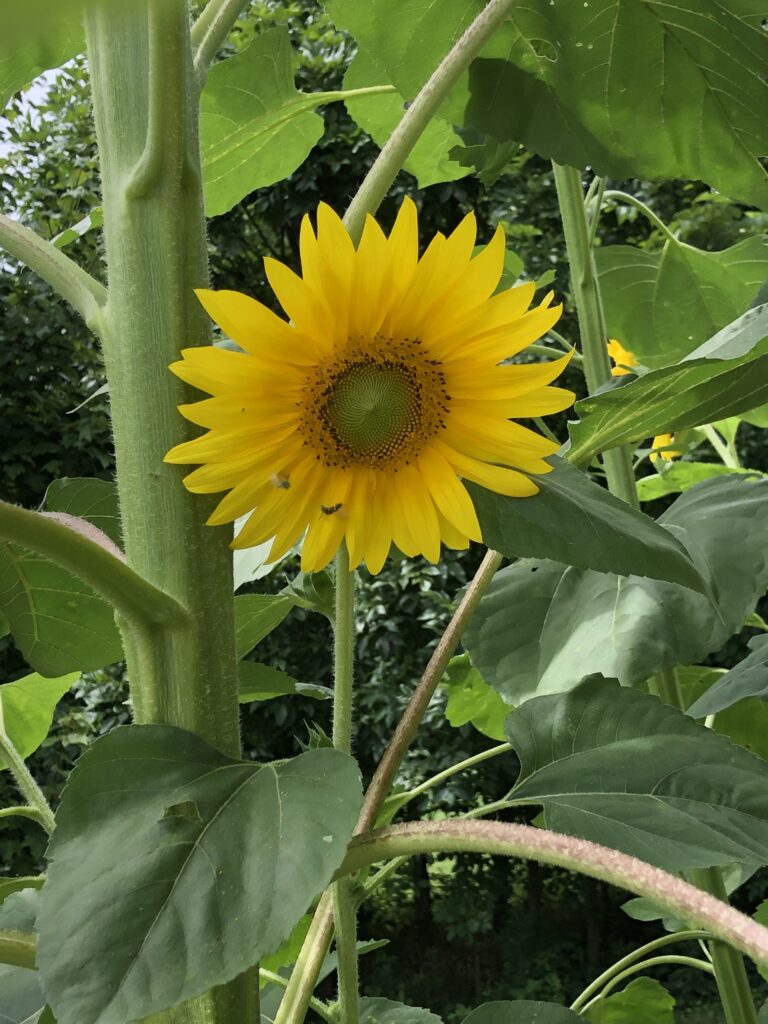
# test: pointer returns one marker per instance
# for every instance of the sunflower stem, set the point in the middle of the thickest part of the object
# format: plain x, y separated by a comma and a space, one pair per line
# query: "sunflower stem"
420, 112
344, 907
589, 306
39, 808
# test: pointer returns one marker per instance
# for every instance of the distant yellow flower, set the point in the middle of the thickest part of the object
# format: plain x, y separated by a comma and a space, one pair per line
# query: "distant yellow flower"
622, 358
663, 441
360, 418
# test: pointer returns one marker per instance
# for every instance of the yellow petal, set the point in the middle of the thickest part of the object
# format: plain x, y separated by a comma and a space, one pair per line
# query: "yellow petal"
448, 493
253, 326
496, 478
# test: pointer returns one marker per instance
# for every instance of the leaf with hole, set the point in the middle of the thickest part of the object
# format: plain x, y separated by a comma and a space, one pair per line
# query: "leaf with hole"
177, 868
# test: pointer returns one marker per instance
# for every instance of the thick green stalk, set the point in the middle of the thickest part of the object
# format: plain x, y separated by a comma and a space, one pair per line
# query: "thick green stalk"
594, 337
344, 906
145, 107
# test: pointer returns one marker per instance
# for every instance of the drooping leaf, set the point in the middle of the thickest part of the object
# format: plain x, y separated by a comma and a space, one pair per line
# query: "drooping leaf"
256, 615
255, 125
643, 1001
471, 699
262, 682
577, 522
541, 627
385, 1011
176, 868
87, 498
522, 1011
679, 476
27, 706
748, 679
58, 623
663, 91
430, 161
663, 305
621, 768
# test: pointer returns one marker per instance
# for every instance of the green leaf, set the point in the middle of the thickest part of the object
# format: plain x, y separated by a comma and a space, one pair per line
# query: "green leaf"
522, 1011
176, 868
662, 305
91, 221
22, 996
288, 952
20, 910
87, 498
663, 91
385, 1011
674, 398
27, 706
256, 127
262, 682
748, 679
577, 522
679, 476
471, 699
58, 623
256, 615
542, 627
43, 38
643, 1001
430, 160
621, 768
8, 886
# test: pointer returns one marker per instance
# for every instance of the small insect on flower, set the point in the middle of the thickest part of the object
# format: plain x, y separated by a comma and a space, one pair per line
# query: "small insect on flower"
359, 419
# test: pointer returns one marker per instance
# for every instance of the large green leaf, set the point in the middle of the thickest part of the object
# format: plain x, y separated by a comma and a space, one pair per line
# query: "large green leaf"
577, 522
175, 868
256, 127
522, 1011
542, 627
384, 1011
700, 389
20, 994
748, 679
619, 767
662, 305
58, 623
430, 160
36, 38
26, 709
87, 498
471, 699
256, 615
643, 89
643, 1001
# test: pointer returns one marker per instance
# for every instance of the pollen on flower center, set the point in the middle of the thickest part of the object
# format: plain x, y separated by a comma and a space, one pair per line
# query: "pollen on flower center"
376, 405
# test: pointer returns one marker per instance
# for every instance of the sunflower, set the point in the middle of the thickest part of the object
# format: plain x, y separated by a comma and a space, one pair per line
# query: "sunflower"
622, 358
359, 419
661, 449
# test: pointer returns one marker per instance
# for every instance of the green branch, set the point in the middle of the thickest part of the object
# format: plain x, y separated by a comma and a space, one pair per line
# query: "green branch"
402, 140
211, 30
33, 813
88, 554
25, 781
83, 292
314, 1004
647, 212
656, 961
17, 948
678, 897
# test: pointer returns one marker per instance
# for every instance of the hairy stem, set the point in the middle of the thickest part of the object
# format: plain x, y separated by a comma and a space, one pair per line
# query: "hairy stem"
83, 292
656, 961
647, 212
420, 112
211, 30
24, 780
589, 306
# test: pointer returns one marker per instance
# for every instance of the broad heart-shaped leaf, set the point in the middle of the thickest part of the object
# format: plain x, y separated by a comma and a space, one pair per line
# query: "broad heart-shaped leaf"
673, 398
662, 305
58, 623
542, 627
748, 679
256, 127
577, 522
522, 1011
175, 868
430, 160
679, 476
634, 90
619, 767
20, 994
262, 682
26, 709
384, 1011
643, 1001
256, 615
88, 498
471, 699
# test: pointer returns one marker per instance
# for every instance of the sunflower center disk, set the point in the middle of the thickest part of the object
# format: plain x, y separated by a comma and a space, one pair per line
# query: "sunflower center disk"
375, 410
